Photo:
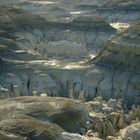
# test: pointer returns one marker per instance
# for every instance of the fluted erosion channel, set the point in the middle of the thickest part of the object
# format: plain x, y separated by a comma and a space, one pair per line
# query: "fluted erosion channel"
88, 51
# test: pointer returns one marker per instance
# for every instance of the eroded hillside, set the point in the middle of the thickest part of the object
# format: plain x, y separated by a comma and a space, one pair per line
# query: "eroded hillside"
85, 50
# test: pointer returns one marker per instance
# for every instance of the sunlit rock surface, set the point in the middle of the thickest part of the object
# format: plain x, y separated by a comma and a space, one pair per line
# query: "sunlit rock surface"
122, 56
87, 50
42, 118
48, 56
131, 132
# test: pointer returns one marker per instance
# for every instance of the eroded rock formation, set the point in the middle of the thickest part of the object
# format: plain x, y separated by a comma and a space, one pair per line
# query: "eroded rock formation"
42, 118
69, 49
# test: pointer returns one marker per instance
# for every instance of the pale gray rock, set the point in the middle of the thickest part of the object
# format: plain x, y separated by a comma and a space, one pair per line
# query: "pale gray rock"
13, 83
68, 136
82, 96
131, 132
115, 73
65, 49
121, 71
43, 83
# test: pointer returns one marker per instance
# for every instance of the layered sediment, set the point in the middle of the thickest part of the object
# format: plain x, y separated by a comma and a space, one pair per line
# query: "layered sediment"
84, 50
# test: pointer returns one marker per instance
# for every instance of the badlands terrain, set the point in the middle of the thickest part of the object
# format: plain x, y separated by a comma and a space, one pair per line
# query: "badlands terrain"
70, 70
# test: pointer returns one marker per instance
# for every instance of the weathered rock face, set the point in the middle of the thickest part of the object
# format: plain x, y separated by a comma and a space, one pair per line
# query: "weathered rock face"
110, 121
13, 83
100, 80
42, 83
9, 136
32, 44
40, 45
128, 11
42, 118
7, 2
74, 38
122, 49
122, 56
112, 11
65, 49
87, 30
131, 132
